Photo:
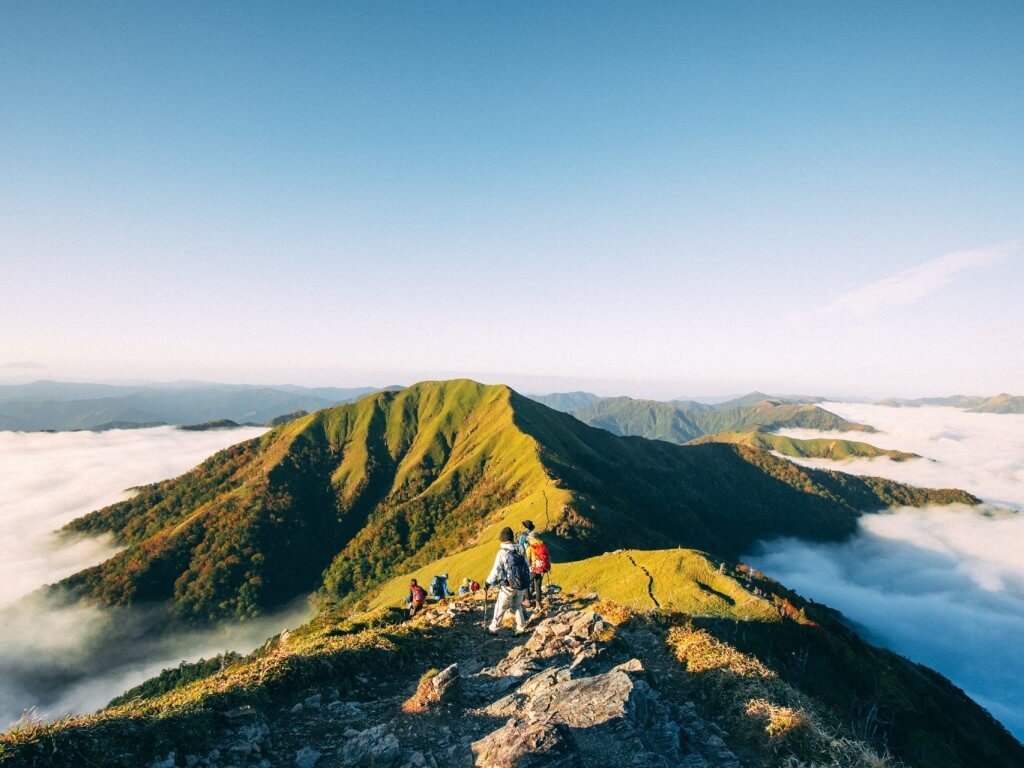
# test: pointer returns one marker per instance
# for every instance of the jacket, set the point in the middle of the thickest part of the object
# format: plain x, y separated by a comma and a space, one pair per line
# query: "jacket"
502, 564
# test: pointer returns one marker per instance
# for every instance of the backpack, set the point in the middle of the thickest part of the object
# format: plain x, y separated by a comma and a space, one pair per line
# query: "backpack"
518, 571
540, 561
474, 587
419, 595
437, 587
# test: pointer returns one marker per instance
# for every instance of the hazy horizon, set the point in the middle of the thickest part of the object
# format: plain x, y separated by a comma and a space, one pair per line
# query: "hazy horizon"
535, 385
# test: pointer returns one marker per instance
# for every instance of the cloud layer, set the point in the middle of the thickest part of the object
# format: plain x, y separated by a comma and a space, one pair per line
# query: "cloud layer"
60, 658
943, 586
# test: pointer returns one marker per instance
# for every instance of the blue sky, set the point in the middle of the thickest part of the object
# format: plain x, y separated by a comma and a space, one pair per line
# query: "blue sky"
662, 199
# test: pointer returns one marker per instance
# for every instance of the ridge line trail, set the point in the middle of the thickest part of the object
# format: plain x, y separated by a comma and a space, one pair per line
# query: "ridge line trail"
650, 580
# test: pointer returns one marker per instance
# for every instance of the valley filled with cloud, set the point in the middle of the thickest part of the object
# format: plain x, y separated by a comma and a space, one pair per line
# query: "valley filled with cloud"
943, 586
57, 658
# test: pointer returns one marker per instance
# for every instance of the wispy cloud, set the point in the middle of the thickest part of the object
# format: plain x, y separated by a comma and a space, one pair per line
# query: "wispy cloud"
21, 365
915, 283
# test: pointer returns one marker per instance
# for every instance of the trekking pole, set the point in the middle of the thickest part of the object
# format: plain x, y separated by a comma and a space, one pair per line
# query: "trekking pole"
485, 605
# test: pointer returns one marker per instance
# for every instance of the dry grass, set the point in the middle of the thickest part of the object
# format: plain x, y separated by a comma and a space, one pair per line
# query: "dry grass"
425, 696
322, 651
763, 711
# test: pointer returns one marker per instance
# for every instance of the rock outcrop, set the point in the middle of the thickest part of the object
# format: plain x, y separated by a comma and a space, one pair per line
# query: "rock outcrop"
562, 696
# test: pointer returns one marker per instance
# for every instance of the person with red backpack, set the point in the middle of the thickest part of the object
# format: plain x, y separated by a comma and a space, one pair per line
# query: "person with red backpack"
416, 599
540, 564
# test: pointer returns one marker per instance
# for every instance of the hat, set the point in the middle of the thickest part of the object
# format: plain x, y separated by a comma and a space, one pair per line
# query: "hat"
506, 534
528, 525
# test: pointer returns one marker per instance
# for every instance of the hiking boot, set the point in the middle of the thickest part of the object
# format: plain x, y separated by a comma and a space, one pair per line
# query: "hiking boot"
521, 630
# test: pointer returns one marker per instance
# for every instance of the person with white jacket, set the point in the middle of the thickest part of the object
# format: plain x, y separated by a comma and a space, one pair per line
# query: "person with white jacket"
508, 575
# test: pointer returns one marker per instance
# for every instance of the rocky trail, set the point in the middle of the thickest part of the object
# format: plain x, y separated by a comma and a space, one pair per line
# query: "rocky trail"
571, 692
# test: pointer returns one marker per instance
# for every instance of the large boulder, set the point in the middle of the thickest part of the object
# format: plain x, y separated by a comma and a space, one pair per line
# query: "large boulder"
521, 743
376, 747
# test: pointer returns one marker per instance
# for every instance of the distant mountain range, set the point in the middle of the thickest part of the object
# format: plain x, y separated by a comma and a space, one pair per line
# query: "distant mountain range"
54, 405
749, 419
683, 421
567, 401
1001, 403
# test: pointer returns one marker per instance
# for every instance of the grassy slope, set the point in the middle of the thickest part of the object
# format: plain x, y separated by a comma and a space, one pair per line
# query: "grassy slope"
675, 579
343, 499
797, 664
818, 448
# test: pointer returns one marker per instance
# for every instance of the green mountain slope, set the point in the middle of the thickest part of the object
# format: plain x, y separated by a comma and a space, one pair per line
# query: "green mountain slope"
816, 448
652, 419
683, 421
342, 499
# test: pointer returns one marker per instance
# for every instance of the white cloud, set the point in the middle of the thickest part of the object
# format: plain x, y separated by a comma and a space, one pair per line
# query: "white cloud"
917, 282
50, 479
63, 658
980, 452
943, 586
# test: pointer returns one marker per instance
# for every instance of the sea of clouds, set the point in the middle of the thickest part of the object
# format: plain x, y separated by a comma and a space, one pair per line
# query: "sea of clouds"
57, 658
944, 585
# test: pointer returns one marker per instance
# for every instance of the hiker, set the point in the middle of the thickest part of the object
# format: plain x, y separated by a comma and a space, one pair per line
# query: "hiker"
417, 597
465, 587
511, 575
523, 540
439, 587
539, 560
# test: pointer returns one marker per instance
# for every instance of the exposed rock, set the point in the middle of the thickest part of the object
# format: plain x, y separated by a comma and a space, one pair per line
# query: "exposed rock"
306, 757
167, 762
524, 744
375, 747
239, 716
446, 682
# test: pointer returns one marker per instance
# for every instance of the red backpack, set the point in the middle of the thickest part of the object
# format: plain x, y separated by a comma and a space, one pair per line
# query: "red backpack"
419, 595
540, 561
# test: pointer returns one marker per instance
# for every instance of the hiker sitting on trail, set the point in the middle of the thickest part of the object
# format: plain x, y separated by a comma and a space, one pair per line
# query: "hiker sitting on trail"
464, 587
417, 597
511, 575
523, 540
439, 587
540, 563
